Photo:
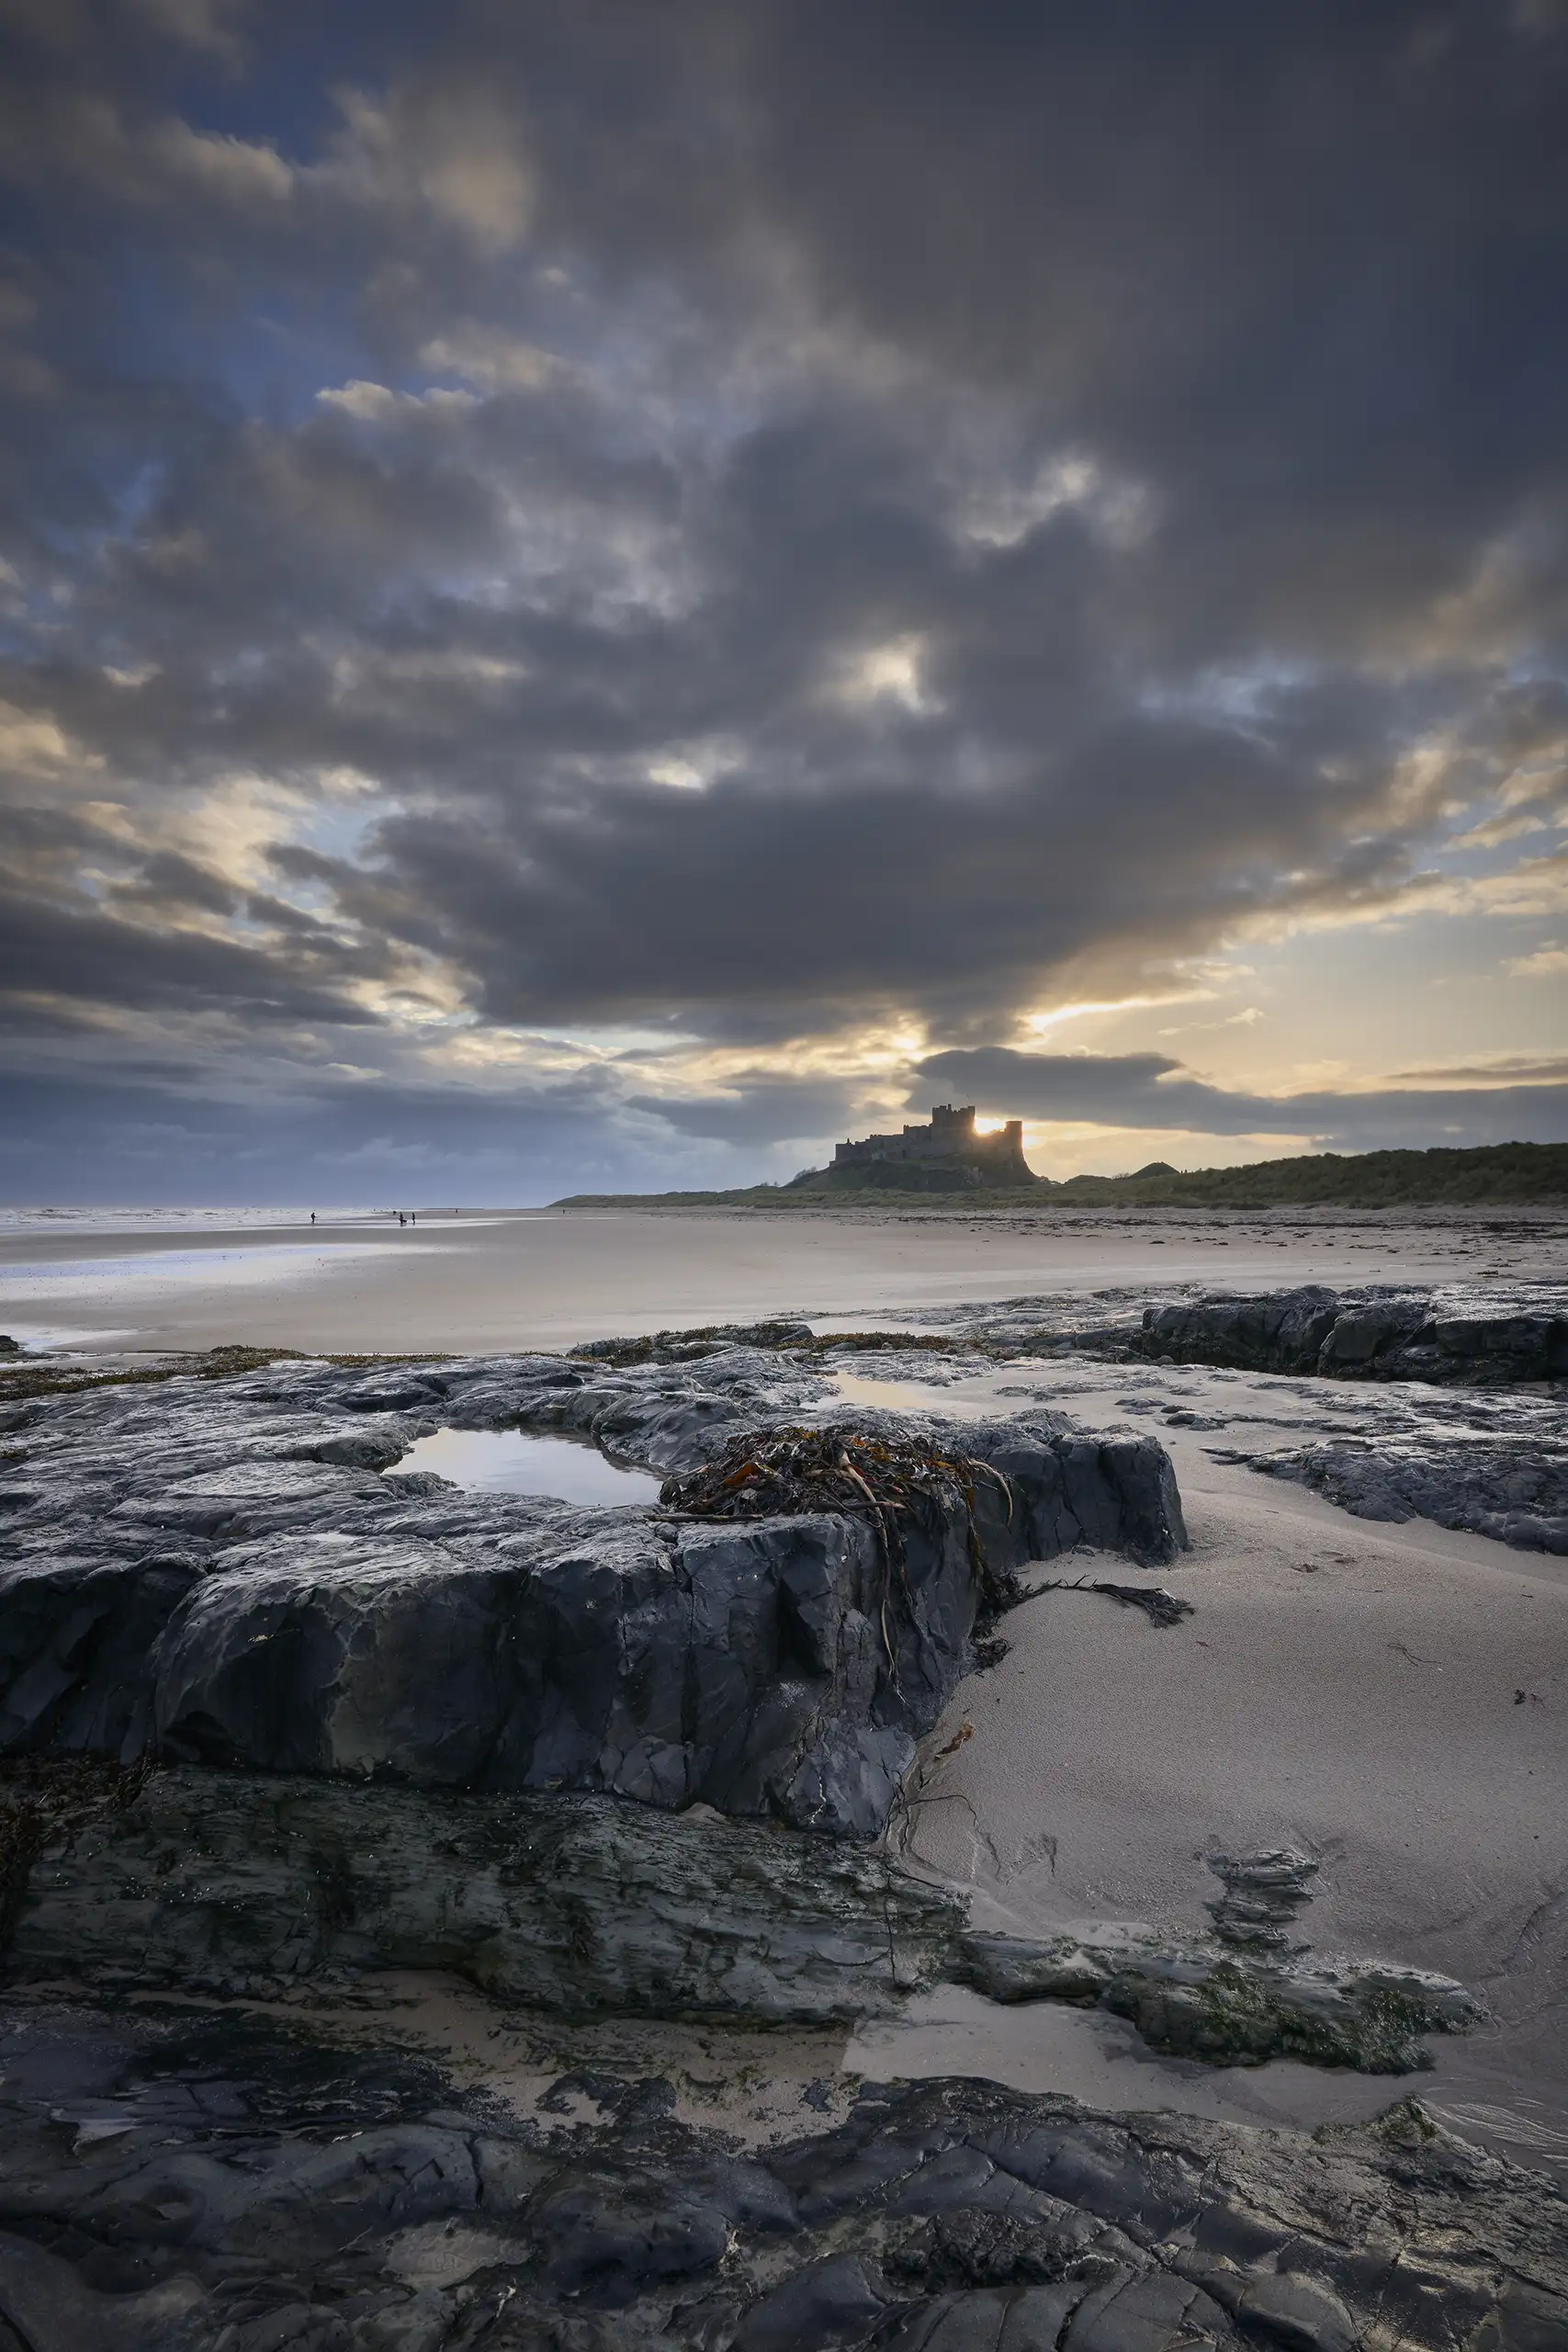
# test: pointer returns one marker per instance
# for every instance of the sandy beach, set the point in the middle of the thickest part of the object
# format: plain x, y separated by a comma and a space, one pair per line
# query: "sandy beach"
1390, 1700
548, 1278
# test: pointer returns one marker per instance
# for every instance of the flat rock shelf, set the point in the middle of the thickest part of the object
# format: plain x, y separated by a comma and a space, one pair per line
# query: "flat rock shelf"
248, 1885
226, 1572
218, 2183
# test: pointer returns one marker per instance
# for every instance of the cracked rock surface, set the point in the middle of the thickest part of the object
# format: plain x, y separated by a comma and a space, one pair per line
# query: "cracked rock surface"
250, 1884
1497, 1485
1495, 1336
184, 2185
223, 1569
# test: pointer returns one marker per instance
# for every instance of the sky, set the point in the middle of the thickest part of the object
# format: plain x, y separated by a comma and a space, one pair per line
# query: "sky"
601, 597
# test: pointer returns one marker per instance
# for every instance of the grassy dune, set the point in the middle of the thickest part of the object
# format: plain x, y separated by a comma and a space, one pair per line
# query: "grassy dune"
1504, 1173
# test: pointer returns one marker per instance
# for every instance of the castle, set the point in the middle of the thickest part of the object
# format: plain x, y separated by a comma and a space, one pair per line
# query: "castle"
949, 1143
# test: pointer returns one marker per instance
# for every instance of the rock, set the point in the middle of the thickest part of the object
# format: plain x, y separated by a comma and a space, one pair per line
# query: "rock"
1200, 1998
248, 1883
201, 1882
1263, 1893
1281, 1331
1297, 2312
1489, 1455
9, 1347
1494, 1336
262, 2190
1499, 1486
703, 1340
841, 2300
220, 1569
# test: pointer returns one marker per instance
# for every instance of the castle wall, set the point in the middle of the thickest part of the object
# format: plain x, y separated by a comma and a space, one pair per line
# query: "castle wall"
949, 1137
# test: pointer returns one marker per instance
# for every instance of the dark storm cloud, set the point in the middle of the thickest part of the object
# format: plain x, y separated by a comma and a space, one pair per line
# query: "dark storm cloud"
1298, 264
867, 895
93, 959
756, 1111
150, 1141
1035, 474
1151, 1091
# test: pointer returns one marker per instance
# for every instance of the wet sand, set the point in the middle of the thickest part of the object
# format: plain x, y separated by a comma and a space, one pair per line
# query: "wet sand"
547, 1279
1392, 1700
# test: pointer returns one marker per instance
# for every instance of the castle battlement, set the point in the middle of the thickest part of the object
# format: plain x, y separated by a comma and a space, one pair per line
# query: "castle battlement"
949, 1137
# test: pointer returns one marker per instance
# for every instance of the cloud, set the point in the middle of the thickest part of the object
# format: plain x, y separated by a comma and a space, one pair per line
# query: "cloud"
232, 171
202, 24
98, 958
1502, 1069
1544, 963
456, 149
1151, 1091
803, 523
757, 1111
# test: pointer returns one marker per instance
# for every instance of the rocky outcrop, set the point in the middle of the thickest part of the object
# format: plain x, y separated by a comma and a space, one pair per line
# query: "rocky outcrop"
225, 1571
1263, 1895
1483, 1485
1495, 1338
197, 2184
242, 1884
404, 1727
1199, 1999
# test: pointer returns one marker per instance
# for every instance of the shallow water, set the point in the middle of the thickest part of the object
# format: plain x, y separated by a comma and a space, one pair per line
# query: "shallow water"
108, 1219
910, 1395
510, 1462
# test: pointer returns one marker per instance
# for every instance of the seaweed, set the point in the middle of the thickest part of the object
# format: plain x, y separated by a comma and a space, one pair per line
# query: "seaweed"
45, 1376
890, 1481
1160, 1607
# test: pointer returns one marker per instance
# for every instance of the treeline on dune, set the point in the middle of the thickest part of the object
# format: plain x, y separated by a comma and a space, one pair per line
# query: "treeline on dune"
1504, 1172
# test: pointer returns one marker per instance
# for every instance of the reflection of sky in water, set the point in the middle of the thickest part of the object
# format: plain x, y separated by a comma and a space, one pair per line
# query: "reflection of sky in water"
909, 1396
174, 1222
53, 1281
109, 1219
507, 1462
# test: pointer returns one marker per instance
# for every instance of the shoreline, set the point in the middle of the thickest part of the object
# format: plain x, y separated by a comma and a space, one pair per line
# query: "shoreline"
493, 1280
